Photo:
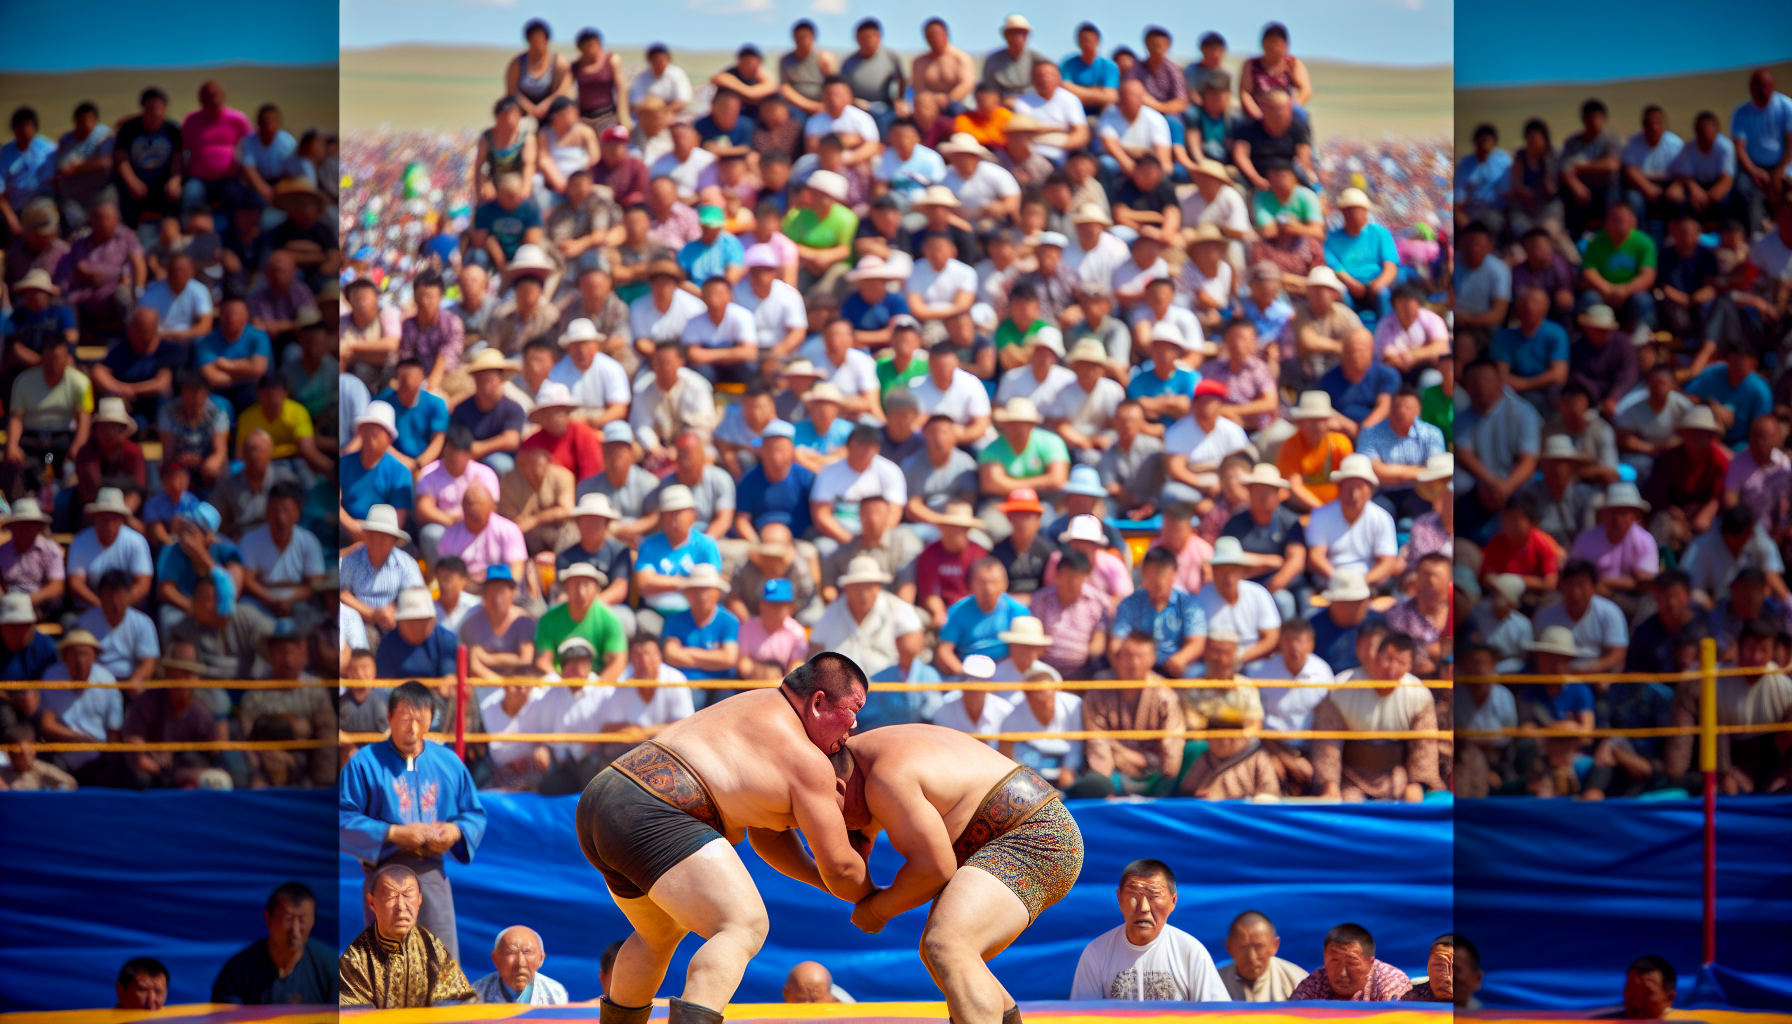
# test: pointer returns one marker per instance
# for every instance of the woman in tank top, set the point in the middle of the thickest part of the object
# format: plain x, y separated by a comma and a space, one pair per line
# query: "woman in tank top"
567, 145
596, 73
504, 148
537, 75
1276, 69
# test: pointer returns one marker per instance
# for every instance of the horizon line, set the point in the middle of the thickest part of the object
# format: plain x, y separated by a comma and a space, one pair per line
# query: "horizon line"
1658, 76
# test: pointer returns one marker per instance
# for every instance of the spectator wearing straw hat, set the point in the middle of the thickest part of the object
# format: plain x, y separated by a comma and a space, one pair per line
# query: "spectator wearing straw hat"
1351, 531
1686, 483
985, 191
106, 545
1230, 601
1316, 450
1272, 532
1047, 711
31, 562
866, 622
373, 574
673, 553
372, 476
1196, 444
940, 573
1363, 256
1025, 455
1085, 409
703, 640
27, 653
1565, 502
419, 646
823, 227
112, 460
1619, 545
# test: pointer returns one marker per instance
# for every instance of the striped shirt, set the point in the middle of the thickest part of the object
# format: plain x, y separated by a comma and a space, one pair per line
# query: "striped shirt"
379, 587
1381, 443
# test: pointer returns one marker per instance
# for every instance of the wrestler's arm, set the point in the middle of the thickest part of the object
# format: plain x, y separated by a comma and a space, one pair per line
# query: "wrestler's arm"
817, 812
784, 852
919, 834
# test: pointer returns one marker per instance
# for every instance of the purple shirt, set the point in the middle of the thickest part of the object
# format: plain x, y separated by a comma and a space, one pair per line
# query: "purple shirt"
679, 228
266, 304
1386, 984
1070, 628
1557, 276
1744, 470
1636, 550
444, 340
1164, 84
28, 573
499, 542
107, 260
1245, 384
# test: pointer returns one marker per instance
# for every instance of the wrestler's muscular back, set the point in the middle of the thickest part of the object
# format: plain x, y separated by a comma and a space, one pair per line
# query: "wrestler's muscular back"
751, 751
953, 771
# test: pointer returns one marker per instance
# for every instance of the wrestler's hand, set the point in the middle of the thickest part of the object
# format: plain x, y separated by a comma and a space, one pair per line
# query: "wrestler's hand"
865, 918
861, 844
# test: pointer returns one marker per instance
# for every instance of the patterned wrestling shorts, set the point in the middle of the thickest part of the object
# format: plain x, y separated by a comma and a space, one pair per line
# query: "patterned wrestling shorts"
1034, 846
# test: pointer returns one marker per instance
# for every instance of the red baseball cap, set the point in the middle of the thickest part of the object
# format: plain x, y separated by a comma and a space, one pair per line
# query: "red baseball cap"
1210, 387
615, 133
1022, 499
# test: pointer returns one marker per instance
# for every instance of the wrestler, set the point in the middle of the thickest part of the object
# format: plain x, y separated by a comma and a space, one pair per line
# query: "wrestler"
661, 823
988, 841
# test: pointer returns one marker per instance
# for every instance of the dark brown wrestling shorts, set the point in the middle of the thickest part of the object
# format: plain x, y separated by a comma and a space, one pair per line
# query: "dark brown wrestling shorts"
642, 816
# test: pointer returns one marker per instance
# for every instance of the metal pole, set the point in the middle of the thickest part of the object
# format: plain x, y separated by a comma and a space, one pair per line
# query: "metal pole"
1708, 764
460, 702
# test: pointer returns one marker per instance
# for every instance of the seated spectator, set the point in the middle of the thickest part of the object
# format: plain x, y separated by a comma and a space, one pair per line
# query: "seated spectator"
287, 966
197, 551
483, 538
1146, 957
954, 393
1734, 392
1363, 256
1563, 500
1290, 709
1025, 455
1748, 762
452, 603
1075, 615
1233, 603
665, 557
778, 489
538, 497
224, 638
98, 264
141, 371
374, 574
421, 417
625, 483
1132, 467
1372, 770
25, 773
1649, 987
772, 643
38, 320
1427, 616
500, 639
703, 641
1361, 388
31, 562
495, 421
444, 483
1338, 632
1084, 411
974, 711
1272, 533
418, 647
518, 955
49, 417
867, 623
810, 982
580, 615
283, 563
142, 984
395, 948
1256, 974
1352, 532
1398, 449
1686, 484
974, 624
234, 355
1196, 444
1085, 533
1138, 767
1167, 612
111, 460
1351, 970
1318, 447
242, 498
1232, 768
940, 575
1289, 220
1026, 550
1251, 400
941, 474
373, 476
1618, 270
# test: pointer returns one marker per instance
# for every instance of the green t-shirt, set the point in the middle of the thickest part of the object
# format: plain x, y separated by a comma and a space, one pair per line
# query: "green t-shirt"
889, 377
1620, 264
1302, 206
1043, 448
806, 229
600, 628
1007, 334
1439, 410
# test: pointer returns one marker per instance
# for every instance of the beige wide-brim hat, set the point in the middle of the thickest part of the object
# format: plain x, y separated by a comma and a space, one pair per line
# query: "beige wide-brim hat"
1352, 197
704, 577
383, 519
1438, 467
1089, 350
938, 195
1624, 494
25, 510
1347, 585
109, 499
1313, 405
1557, 640
579, 571
489, 359
1090, 213
1508, 585
1228, 551
1202, 234
802, 368
1325, 277
530, 259
112, 410
863, 569
1265, 474
1355, 467
1026, 631
963, 142
1019, 410
873, 268
77, 638
1208, 167
415, 603
36, 280
676, 498
960, 513
595, 505
824, 392
1599, 316
1699, 417
1561, 447
295, 192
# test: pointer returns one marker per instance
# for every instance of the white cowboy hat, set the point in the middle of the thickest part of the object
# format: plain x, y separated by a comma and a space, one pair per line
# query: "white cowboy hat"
1561, 446
963, 142
1314, 405
1352, 197
1265, 474
1699, 417
553, 395
579, 571
415, 603
1347, 585
1558, 640
383, 519
1026, 631
980, 666
1089, 350
1050, 338
1508, 585
1323, 276
863, 569
380, 413
704, 576
529, 259
1438, 467
824, 392
25, 510
1599, 315
1355, 467
1624, 494
676, 498
873, 268
595, 504
16, 610
802, 368
938, 195
1091, 213
1019, 410
581, 329
36, 279
109, 499
1228, 551
960, 513
1084, 527
829, 183
112, 410
488, 359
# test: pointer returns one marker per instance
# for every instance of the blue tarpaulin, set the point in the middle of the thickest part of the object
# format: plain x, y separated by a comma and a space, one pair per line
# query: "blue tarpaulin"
1561, 896
93, 878
1384, 866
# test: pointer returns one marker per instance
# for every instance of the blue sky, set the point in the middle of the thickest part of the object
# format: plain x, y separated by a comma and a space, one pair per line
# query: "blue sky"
1410, 32
1514, 42
38, 34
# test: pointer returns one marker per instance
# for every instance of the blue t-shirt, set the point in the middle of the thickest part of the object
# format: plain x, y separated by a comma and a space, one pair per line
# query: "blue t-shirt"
1146, 384
272, 161
1763, 132
1573, 699
1361, 257
418, 424
740, 135
1102, 74
35, 330
972, 632
507, 226
658, 555
252, 342
1530, 356
1357, 400
723, 628
387, 483
173, 564
1486, 182
1181, 619
866, 317
702, 262
35, 659
1335, 644
133, 368
26, 175
786, 501
1751, 399
838, 432
433, 658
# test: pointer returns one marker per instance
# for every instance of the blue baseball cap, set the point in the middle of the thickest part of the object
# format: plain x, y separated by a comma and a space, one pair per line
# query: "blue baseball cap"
500, 572
779, 428
205, 515
779, 589
1085, 480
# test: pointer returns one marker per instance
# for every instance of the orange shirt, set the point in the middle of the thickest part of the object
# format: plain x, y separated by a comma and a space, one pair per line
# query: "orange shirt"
992, 133
1314, 465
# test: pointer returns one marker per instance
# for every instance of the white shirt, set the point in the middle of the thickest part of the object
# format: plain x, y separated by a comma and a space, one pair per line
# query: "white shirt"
1179, 317
775, 315
1254, 615
1129, 279
1085, 414
736, 327
1500, 712
1139, 137
1353, 545
452, 620
872, 643
684, 173
602, 383
1185, 437
1061, 113
952, 715
941, 287
496, 721
988, 183
1771, 254
674, 86
1174, 967
854, 376
1096, 266
1021, 383
667, 704
852, 121
1190, 281
840, 483
964, 401
564, 709
1287, 709
1227, 210
646, 321
1067, 716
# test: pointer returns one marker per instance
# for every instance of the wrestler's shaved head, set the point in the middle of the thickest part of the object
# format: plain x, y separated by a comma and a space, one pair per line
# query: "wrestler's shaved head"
834, 675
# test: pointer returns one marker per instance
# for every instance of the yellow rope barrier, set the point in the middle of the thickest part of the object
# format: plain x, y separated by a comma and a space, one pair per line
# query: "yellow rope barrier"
153, 748
1690, 675
1659, 731
716, 684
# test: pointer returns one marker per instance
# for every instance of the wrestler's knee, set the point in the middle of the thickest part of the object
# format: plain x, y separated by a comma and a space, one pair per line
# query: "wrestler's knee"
940, 949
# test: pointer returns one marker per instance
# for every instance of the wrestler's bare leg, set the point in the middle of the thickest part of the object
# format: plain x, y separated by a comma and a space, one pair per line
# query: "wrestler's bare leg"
710, 893
974, 918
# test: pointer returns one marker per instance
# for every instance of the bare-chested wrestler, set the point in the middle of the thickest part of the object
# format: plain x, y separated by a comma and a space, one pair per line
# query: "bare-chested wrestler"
988, 841
944, 69
661, 823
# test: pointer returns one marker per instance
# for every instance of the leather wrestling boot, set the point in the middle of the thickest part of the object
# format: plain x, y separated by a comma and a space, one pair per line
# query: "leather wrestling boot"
1011, 1015
610, 1013
682, 1012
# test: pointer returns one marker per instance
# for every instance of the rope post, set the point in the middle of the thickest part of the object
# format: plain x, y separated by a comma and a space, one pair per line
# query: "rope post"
1708, 764
460, 702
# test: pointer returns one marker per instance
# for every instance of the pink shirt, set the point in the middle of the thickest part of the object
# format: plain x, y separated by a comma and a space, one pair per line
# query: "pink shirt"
1189, 561
499, 543
212, 142
1635, 550
1390, 335
788, 645
1109, 578
449, 490
1744, 468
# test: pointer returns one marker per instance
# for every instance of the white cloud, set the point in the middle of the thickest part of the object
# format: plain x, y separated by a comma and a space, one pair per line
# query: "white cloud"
828, 6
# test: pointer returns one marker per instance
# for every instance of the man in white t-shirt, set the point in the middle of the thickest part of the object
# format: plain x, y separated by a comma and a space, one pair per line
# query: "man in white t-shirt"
837, 116
864, 473
866, 622
1230, 601
1197, 443
961, 397
941, 287
598, 383
851, 369
1094, 254
1290, 708
779, 315
984, 187
1065, 123
1129, 129
1214, 201
1146, 958
1352, 532
1083, 411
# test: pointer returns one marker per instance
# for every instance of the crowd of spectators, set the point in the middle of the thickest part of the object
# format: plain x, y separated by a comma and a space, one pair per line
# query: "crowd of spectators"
170, 442
1039, 371
1622, 324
